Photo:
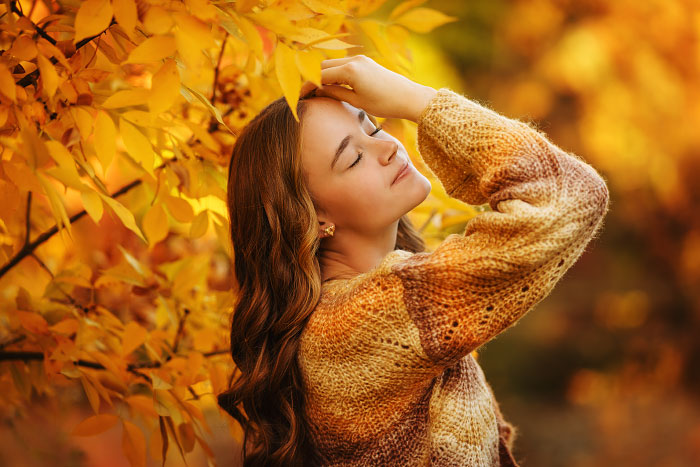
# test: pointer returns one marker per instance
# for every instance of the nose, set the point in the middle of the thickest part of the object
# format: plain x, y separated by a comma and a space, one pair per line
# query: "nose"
388, 151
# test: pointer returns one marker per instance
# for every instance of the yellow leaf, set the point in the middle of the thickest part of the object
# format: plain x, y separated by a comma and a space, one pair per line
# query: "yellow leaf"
424, 20
274, 20
95, 425
116, 366
92, 395
34, 146
155, 224
92, 204
101, 390
309, 64
48, 75
245, 6
192, 35
165, 87
66, 326
125, 14
124, 215
332, 44
83, 120
325, 7
137, 145
191, 274
144, 119
57, 207
251, 33
403, 7
134, 444
79, 274
200, 224
158, 382
376, 31
49, 50
92, 18
24, 48
157, 20
156, 446
213, 110
179, 208
105, 139
203, 135
288, 75
68, 174
166, 405
7, 83
153, 49
32, 322
186, 436
307, 35
22, 176
202, 9
134, 336
142, 404
126, 98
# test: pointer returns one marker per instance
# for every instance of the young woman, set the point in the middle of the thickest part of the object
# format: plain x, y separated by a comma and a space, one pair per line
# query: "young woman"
353, 345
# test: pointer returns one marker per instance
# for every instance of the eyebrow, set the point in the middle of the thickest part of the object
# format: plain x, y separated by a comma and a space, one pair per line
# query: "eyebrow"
343, 144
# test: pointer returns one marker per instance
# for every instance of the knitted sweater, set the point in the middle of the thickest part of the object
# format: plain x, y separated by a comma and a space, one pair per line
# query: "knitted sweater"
386, 356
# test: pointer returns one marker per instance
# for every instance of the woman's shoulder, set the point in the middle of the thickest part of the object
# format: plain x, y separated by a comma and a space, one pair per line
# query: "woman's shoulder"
344, 300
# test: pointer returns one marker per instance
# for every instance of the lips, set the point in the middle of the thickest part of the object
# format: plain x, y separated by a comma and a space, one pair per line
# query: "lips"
403, 168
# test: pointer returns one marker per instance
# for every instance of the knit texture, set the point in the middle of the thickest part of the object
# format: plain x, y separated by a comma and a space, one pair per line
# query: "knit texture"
386, 358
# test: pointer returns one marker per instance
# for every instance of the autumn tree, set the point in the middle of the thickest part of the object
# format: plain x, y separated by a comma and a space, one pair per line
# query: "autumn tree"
117, 120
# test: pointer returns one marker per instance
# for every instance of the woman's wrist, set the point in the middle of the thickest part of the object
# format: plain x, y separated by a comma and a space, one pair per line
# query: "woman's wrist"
421, 99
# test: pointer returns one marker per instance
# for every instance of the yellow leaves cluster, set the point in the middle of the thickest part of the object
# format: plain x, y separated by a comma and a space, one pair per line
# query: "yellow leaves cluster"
131, 107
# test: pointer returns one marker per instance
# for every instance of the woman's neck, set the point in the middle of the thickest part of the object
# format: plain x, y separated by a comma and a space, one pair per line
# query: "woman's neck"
349, 253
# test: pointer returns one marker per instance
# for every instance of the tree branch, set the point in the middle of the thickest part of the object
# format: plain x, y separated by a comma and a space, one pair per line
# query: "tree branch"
31, 78
216, 70
39, 29
28, 248
27, 356
180, 329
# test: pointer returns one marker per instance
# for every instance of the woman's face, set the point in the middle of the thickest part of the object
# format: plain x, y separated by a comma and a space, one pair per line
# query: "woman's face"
352, 191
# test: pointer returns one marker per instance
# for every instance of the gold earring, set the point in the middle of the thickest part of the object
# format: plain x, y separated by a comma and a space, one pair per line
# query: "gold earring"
330, 230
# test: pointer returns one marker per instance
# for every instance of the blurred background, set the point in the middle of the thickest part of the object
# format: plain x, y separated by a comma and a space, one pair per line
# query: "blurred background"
606, 370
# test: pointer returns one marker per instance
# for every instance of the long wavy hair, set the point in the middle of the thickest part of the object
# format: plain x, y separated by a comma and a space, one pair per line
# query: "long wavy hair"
274, 234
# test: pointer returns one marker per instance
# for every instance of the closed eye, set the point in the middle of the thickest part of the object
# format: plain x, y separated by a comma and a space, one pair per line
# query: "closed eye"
359, 156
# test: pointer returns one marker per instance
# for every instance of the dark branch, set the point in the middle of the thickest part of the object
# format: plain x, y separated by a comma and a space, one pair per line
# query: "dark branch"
27, 356
31, 78
28, 248
29, 205
180, 329
216, 70
39, 29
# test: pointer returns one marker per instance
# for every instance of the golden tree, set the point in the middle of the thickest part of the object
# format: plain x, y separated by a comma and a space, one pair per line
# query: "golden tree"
126, 110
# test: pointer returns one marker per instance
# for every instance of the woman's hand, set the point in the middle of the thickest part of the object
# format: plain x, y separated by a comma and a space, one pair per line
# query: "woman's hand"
375, 89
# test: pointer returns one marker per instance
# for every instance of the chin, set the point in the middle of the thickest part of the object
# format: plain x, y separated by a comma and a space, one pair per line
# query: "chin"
426, 187
419, 192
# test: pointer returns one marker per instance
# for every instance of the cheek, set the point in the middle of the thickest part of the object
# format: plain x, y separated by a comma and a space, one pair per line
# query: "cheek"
359, 195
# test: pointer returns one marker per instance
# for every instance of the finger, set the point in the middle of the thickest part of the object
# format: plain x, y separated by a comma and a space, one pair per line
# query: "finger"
330, 62
336, 75
337, 92
307, 87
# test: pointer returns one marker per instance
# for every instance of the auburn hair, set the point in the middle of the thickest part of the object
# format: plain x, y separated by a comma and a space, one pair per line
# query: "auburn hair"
274, 235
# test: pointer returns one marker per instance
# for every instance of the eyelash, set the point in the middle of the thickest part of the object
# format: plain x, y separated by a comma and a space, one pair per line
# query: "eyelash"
359, 156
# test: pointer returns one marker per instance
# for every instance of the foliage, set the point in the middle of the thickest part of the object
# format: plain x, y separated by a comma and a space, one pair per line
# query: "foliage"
126, 110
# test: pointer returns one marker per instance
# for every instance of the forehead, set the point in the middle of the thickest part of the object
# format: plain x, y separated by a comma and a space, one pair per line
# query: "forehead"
326, 122
325, 113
